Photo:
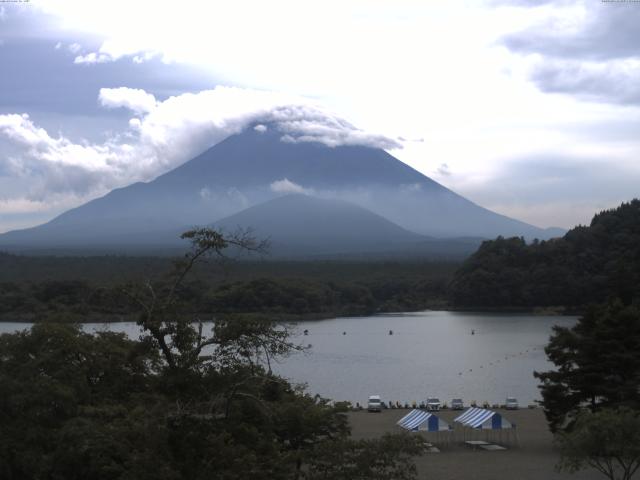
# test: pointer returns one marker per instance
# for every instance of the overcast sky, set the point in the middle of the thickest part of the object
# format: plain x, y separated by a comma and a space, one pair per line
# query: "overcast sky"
529, 108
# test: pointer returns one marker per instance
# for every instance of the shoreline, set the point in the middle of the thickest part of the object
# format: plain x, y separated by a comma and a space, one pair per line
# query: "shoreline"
536, 311
320, 316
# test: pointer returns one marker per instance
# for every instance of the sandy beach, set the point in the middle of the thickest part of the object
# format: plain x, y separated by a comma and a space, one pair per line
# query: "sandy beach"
533, 459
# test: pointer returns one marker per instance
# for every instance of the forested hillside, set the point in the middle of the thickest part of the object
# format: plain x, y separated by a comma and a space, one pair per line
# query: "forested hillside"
69, 289
588, 265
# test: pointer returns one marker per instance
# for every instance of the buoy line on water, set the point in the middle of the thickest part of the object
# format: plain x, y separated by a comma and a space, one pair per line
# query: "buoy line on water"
507, 357
392, 333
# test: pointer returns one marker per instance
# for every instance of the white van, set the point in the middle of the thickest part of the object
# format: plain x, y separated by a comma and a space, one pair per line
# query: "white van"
511, 403
374, 404
433, 404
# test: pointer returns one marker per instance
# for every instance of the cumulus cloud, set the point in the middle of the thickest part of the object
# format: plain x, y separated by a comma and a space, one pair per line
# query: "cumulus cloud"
144, 57
209, 116
310, 123
331, 131
287, 186
38, 143
444, 170
58, 166
589, 49
134, 99
161, 136
260, 128
114, 49
92, 57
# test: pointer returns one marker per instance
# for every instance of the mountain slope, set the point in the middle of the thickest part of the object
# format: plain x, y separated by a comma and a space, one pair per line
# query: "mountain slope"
252, 167
303, 225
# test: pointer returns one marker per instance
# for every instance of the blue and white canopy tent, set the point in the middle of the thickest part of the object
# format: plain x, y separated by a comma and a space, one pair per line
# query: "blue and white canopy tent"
480, 419
422, 421
483, 419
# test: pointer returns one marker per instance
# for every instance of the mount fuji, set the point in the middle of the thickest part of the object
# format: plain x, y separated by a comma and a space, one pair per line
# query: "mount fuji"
259, 165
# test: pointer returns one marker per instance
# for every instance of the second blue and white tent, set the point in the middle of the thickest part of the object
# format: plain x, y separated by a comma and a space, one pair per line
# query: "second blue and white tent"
493, 424
483, 419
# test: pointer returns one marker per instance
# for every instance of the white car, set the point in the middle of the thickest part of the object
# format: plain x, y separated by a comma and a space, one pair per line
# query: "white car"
433, 404
456, 404
511, 403
374, 404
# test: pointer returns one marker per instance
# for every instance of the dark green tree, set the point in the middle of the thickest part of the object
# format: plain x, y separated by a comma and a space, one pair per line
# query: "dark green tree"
608, 440
67, 393
597, 364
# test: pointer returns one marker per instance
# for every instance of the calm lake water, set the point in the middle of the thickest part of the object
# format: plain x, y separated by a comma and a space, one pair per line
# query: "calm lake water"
429, 354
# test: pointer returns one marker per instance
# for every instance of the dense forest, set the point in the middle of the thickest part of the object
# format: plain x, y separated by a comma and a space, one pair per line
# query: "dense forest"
94, 288
588, 265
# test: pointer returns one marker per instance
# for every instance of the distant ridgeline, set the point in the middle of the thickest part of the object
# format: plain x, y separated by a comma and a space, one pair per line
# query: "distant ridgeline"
587, 265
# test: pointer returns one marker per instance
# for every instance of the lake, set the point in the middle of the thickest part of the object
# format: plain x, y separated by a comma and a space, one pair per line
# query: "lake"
430, 353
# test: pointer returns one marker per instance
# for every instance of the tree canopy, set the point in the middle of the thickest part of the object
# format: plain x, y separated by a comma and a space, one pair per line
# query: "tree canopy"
588, 265
608, 440
597, 364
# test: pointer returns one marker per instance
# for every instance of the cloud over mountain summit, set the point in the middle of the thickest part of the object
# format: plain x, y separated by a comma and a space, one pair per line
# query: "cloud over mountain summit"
161, 135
